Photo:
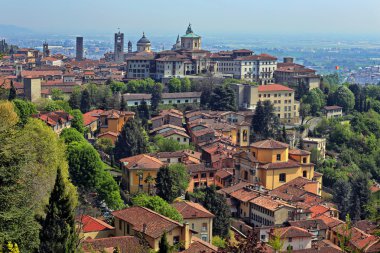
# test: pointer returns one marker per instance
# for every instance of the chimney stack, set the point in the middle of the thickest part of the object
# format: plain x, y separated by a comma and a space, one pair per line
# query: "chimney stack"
144, 228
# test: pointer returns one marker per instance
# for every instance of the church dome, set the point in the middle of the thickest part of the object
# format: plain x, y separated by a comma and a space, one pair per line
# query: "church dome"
143, 40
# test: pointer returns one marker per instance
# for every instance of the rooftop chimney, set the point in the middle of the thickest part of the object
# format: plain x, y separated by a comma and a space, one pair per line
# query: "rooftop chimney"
144, 228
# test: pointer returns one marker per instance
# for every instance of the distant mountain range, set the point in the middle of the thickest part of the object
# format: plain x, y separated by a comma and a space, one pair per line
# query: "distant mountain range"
13, 30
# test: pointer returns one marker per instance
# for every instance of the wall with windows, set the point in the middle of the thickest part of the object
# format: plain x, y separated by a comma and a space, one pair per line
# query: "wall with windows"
203, 226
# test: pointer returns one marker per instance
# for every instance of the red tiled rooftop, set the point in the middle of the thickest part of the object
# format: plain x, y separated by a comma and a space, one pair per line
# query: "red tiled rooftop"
91, 224
191, 210
274, 87
269, 144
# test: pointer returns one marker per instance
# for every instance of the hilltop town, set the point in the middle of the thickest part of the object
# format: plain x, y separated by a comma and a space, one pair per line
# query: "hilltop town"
184, 150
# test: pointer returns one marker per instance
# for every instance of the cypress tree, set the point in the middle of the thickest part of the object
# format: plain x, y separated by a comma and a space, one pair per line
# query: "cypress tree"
163, 245
258, 118
122, 104
12, 92
156, 96
165, 184
85, 103
58, 230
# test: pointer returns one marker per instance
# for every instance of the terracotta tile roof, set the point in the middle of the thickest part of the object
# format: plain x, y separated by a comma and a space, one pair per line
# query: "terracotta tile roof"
196, 168
244, 194
54, 118
260, 57
274, 87
108, 133
141, 162
191, 210
297, 151
269, 144
168, 126
330, 221
91, 116
91, 224
325, 249
165, 115
115, 114
156, 224
332, 107
269, 203
317, 210
199, 246
233, 188
174, 131
40, 73
291, 232
181, 95
280, 165
172, 111
223, 173
203, 132
367, 226
128, 244
310, 224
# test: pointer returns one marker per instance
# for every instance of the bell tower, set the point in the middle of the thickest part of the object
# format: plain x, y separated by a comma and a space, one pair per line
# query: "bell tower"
119, 47
45, 50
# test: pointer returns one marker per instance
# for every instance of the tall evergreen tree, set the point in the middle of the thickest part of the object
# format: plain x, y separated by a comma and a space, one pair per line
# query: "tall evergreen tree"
264, 122
216, 204
156, 96
163, 244
131, 141
360, 196
75, 97
165, 184
58, 230
12, 92
85, 102
222, 99
258, 118
342, 197
123, 105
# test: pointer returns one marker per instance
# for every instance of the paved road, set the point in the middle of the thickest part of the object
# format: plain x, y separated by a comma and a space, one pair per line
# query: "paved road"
313, 122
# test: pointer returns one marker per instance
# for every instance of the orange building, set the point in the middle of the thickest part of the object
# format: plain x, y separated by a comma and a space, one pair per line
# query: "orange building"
271, 164
112, 122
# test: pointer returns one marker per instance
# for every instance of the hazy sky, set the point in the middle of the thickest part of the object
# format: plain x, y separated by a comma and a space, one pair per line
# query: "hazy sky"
207, 16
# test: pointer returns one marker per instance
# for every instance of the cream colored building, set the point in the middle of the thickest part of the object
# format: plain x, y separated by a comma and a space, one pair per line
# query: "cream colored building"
311, 143
198, 217
285, 106
256, 68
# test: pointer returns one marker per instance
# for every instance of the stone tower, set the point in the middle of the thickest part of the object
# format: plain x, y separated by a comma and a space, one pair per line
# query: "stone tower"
32, 88
45, 49
79, 49
129, 47
119, 47
190, 41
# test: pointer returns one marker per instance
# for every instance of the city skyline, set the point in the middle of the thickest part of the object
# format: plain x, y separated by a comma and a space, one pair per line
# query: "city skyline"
243, 17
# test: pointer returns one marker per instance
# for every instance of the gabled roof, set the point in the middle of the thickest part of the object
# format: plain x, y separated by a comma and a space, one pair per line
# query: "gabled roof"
297, 151
269, 203
128, 244
191, 210
91, 224
232, 188
244, 194
291, 232
141, 162
91, 116
174, 131
269, 144
199, 246
310, 224
143, 219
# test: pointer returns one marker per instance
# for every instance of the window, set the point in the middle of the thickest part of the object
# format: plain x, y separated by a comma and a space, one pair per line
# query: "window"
192, 226
211, 174
186, 101
203, 175
254, 154
178, 101
262, 237
278, 157
179, 160
120, 224
204, 227
204, 238
304, 160
304, 173
175, 239
178, 139
282, 177
195, 176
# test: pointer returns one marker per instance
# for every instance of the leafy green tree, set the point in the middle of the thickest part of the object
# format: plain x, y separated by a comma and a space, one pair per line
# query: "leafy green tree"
156, 96
85, 102
57, 94
185, 84
216, 204
304, 111
109, 190
104, 145
77, 121
117, 87
12, 92
143, 113
316, 99
343, 97
222, 99
219, 242
24, 110
168, 145
250, 244
131, 140
163, 244
158, 205
75, 98
264, 122
179, 172
58, 230
174, 85
70, 135
84, 164
342, 197
275, 241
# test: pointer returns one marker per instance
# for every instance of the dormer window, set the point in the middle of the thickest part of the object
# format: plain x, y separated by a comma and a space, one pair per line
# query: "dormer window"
278, 157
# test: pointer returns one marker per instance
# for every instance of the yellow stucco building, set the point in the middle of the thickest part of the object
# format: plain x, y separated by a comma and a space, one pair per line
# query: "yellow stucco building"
271, 164
112, 122
139, 172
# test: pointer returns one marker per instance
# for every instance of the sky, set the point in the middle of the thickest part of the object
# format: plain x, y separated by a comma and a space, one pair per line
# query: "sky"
209, 17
